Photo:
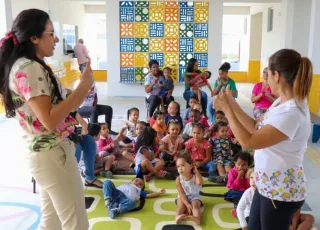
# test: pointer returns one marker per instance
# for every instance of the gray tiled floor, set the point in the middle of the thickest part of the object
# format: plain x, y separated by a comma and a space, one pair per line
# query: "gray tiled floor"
15, 182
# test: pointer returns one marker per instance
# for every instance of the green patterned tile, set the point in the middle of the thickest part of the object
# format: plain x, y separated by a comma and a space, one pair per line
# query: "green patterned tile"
141, 45
186, 30
184, 58
140, 73
141, 14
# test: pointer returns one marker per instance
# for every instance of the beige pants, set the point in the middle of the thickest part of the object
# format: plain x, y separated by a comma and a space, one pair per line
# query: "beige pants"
61, 190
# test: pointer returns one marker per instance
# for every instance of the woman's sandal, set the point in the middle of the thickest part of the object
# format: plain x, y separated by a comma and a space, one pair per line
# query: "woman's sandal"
91, 184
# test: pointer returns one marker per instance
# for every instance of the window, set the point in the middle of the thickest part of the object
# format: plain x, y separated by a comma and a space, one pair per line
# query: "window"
270, 19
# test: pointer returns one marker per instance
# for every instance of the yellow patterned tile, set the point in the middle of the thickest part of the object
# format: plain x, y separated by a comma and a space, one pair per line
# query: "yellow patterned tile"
126, 59
175, 74
171, 14
126, 29
141, 59
156, 4
171, 45
171, 4
156, 45
201, 4
141, 29
201, 14
171, 30
156, 14
171, 59
200, 45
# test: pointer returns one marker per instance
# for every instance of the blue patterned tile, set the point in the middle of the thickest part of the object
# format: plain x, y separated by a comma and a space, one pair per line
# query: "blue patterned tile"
202, 59
186, 4
186, 44
156, 29
159, 57
186, 14
126, 44
126, 4
201, 30
181, 71
127, 75
126, 14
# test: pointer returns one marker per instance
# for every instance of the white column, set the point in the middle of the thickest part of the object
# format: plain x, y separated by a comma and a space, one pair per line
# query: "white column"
6, 16
314, 36
215, 37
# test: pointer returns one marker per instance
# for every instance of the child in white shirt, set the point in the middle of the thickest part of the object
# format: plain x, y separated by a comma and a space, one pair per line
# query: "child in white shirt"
123, 198
243, 209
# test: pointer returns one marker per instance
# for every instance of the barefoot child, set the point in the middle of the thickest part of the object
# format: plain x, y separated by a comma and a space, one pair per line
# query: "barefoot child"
302, 221
145, 159
189, 184
108, 149
171, 144
123, 198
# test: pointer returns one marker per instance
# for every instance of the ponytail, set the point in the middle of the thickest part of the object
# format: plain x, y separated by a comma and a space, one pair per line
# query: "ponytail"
303, 81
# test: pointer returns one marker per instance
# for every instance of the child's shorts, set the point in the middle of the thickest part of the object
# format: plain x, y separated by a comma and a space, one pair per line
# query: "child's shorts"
139, 173
167, 158
163, 94
224, 162
191, 198
106, 153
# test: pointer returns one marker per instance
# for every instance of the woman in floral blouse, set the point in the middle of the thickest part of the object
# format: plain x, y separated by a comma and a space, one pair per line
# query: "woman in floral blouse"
31, 93
280, 138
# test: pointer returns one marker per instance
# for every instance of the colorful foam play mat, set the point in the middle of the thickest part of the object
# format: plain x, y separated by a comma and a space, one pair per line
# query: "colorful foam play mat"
159, 213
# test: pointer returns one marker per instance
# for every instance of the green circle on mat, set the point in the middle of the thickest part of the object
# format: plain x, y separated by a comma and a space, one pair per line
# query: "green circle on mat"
225, 216
169, 206
123, 225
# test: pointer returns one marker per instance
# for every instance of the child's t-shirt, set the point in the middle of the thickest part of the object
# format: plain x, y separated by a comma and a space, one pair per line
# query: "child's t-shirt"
132, 192
244, 206
177, 118
161, 130
131, 130
203, 120
186, 114
188, 130
104, 144
172, 147
199, 81
168, 84
235, 183
264, 102
190, 187
221, 149
141, 157
197, 154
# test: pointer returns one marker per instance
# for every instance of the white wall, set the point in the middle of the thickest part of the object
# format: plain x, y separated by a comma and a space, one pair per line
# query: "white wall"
64, 12
3, 26
255, 36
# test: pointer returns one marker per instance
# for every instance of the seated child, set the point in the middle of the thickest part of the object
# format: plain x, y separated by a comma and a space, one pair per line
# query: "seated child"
186, 116
174, 113
196, 87
171, 144
189, 184
238, 182
218, 116
221, 146
160, 127
123, 198
131, 155
130, 126
203, 118
145, 159
167, 88
200, 150
244, 206
195, 119
302, 221
108, 149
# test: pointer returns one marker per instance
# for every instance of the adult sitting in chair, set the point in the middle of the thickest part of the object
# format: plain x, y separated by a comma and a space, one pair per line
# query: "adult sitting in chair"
91, 109
153, 86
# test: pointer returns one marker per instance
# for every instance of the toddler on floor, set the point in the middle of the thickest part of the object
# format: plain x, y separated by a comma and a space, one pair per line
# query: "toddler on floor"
171, 144
200, 150
130, 126
174, 113
160, 127
238, 182
189, 184
123, 198
108, 149
186, 116
145, 159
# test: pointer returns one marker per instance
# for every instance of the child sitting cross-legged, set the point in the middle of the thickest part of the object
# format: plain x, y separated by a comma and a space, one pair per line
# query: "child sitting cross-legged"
108, 149
195, 119
221, 146
238, 182
123, 198
145, 159
171, 144
200, 150
189, 184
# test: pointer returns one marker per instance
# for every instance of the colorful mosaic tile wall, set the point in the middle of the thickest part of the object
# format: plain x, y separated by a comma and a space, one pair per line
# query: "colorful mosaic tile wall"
170, 32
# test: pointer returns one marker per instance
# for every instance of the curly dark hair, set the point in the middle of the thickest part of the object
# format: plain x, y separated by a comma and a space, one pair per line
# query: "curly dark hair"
219, 125
146, 138
245, 156
186, 156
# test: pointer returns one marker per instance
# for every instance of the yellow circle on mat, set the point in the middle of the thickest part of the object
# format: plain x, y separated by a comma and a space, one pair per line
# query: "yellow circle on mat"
138, 77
